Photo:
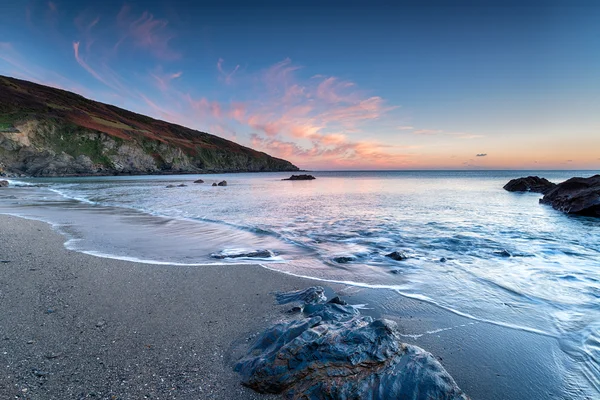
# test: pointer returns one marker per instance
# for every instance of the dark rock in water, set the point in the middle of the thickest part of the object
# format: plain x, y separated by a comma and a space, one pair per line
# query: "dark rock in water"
244, 254
303, 177
199, 181
3, 183
170, 186
214, 184
529, 184
576, 196
343, 259
182, 185
397, 255
332, 352
443, 259
222, 183
396, 271
503, 253
314, 294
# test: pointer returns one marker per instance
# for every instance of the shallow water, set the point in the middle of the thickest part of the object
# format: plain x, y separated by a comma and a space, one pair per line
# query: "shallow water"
509, 260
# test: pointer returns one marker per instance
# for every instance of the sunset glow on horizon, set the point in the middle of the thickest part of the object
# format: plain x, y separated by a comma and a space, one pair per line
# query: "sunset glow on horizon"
351, 85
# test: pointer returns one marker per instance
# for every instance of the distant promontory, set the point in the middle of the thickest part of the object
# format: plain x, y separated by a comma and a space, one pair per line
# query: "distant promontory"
51, 132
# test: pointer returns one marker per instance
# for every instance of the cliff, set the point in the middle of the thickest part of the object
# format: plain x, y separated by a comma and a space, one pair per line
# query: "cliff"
51, 132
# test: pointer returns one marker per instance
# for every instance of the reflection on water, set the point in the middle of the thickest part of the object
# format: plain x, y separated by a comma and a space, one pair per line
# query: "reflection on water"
473, 247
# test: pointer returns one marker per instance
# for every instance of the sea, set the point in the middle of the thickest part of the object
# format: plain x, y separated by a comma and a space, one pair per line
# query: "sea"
472, 248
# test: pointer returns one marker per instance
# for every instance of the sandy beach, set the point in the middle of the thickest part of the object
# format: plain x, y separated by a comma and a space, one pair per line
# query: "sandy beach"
74, 326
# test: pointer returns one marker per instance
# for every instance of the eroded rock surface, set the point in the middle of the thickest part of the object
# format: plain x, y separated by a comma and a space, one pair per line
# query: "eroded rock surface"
576, 196
332, 352
529, 184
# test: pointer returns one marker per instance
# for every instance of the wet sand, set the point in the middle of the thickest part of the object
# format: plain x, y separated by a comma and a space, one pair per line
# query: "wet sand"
74, 326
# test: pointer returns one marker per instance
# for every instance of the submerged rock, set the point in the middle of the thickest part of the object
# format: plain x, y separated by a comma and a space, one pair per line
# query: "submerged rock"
529, 184
303, 177
243, 254
576, 196
503, 253
214, 184
3, 183
199, 181
332, 352
222, 183
397, 255
344, 259
182, 185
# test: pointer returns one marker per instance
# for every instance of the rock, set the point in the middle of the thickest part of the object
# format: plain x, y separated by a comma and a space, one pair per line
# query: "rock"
182, 185
343, 259
332, 352
214, 184
222, 183
199, 181
314, 294
300, 178
3, 183
576, 196
529, 184
397, 255
396, 271
503, 253
443, 259
170, 186
243, 254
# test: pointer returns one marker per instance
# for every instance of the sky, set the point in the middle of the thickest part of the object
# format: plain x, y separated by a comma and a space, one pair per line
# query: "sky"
349, 85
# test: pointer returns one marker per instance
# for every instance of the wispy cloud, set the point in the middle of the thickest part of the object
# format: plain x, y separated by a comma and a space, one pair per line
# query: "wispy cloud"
427, 131
481, 155
226, 77
147, 32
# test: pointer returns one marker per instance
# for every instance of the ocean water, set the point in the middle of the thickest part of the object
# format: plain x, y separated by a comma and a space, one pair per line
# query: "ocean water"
507, 260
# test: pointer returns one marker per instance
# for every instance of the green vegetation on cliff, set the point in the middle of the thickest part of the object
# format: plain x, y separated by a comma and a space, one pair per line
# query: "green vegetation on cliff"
51, 132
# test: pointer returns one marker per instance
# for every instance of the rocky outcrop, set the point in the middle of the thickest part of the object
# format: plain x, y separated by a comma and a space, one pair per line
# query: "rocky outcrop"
51, 132
3, 184
576, 196
303, 177
332, 352
529, 184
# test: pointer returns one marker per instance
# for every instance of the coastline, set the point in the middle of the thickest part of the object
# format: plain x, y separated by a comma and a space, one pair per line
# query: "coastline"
78, 326
74, 325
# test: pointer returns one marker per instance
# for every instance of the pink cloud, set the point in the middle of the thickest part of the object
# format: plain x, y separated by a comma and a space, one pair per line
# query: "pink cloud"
148, 33
163, 80
428, 131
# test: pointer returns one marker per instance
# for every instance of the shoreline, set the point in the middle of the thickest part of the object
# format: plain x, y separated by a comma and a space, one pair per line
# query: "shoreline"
194, 320
78, 326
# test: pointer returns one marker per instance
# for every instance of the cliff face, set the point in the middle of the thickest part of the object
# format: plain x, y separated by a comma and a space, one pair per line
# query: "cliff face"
51, 132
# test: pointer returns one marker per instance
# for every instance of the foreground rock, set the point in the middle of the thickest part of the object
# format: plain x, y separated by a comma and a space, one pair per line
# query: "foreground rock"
530, 184
222, 183
300, 178
3, 183
576, 196
332, 352
199, 181
243, 254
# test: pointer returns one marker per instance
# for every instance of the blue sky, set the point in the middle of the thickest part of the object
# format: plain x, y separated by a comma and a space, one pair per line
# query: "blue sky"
335, 85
